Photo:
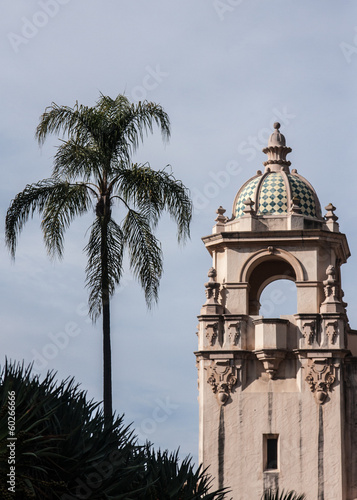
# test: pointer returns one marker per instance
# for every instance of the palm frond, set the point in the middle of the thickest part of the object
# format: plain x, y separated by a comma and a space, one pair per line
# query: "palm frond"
127, 123
155, 191
65, 202
144, 252
64, 119
141, 119
94, 269
74, 160
33, 198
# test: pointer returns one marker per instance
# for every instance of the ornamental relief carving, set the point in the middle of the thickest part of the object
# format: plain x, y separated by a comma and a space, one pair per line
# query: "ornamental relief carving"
331, 328
234, 332
308, 331
222, 377
212, 333
320, 378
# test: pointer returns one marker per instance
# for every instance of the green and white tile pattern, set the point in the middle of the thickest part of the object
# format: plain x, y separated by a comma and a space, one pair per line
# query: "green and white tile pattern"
272, 196
305, 195
247, 192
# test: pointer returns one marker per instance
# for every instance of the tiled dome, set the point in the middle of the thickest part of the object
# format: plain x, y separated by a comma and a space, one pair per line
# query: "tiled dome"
276, 190
272, 193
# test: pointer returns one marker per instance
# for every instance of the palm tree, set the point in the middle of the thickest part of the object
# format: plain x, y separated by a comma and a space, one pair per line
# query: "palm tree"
93, 169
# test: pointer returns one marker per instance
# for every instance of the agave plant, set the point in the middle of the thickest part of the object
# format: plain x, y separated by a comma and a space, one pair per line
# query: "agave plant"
63, 449
173, 480
66, 450
276, 495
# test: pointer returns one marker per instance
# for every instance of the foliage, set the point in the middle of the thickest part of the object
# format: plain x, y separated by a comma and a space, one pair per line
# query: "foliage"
172, 480
276, 495
93, 171
64, 450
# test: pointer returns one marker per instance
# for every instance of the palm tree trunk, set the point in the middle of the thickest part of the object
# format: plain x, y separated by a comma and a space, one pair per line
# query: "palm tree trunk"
107, 356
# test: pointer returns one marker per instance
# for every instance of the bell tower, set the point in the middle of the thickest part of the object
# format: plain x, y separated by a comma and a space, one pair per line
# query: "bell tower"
277, 396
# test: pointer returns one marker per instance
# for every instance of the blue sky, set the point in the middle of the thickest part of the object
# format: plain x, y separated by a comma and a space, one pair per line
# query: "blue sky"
224, 70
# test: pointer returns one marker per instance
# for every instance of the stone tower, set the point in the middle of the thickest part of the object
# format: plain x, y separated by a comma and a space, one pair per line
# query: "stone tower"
278, 396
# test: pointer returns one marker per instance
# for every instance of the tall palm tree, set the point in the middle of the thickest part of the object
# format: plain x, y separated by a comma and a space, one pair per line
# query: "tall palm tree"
92, 169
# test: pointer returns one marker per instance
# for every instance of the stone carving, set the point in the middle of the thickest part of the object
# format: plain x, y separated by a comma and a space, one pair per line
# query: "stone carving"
308, 330
295, 205
234, 332
277, 150
330, 215
249, 207
212, 288
331, 330
212, 333
332, 302
344, 304
271, 359
221, 219
320, 378
222, 377
330, 285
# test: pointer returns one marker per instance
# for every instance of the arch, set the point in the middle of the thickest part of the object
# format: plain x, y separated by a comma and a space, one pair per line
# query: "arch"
270, 280
266, 266
269, 254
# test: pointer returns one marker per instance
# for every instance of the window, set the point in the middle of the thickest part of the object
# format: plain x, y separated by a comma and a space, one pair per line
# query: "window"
270, 451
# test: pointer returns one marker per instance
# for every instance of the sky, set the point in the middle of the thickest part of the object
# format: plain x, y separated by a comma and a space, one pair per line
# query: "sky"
224, 71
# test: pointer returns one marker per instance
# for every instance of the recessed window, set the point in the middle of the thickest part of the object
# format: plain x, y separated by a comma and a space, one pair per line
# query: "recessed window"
270, 451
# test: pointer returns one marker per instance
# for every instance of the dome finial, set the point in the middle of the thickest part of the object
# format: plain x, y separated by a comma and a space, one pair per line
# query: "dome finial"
277, 151
276, 138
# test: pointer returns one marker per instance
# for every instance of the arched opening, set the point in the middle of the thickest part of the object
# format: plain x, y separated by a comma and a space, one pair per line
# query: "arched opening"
268, 270
278, 298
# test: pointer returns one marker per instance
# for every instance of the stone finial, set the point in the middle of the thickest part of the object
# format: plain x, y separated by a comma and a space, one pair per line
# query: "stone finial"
276, 138
277, 151
212, 273
220, 217
332, 302
331, 218
249, 204
330, 284
212, 287
295, 205
330, 213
